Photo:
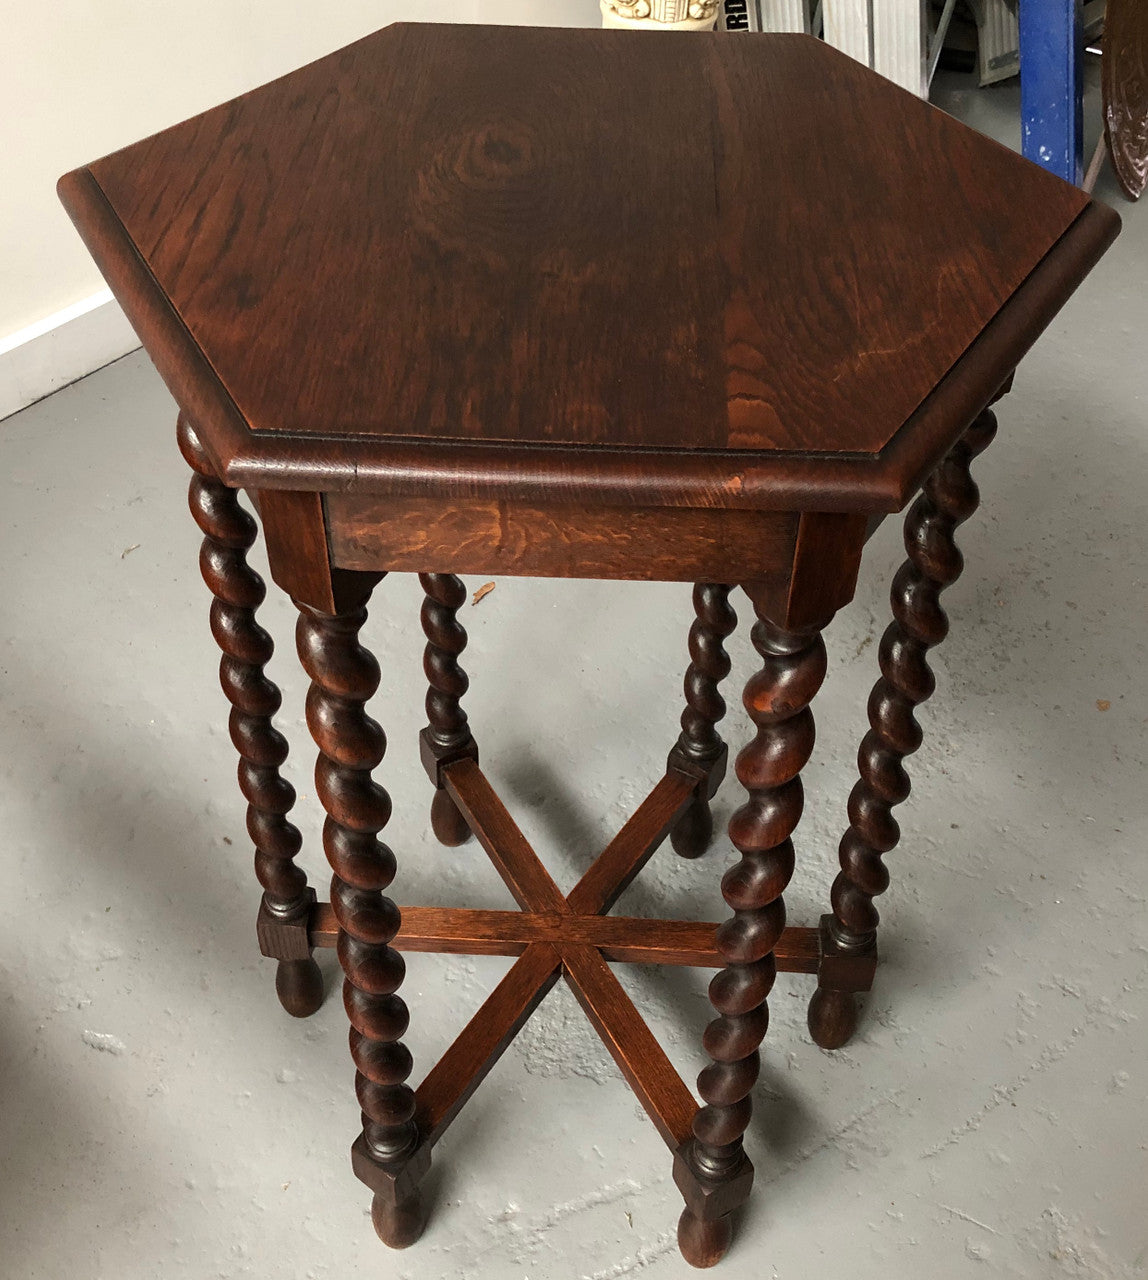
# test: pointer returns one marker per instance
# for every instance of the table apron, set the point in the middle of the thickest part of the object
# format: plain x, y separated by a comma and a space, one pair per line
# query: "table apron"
670, 544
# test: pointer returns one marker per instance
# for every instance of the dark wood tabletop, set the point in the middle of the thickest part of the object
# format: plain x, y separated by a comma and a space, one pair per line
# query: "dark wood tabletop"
631, 266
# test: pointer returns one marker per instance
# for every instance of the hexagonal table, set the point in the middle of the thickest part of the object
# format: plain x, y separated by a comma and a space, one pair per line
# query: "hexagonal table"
579, 304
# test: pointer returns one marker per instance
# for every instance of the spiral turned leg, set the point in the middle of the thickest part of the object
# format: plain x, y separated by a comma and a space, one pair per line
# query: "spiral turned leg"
344, 675
229, 532
699, 744
777, 699
447, 736
934, 561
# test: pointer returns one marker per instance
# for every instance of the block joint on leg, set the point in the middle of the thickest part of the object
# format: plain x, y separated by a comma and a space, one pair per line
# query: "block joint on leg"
397, 1210
286, 935
707, 768
705, 1228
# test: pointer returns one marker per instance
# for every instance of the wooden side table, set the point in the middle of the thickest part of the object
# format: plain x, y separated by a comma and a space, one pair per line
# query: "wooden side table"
579, 304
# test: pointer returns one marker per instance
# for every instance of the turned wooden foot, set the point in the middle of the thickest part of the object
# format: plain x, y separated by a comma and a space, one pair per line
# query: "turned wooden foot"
703, 1244
832, 1017
284, 915
949, 497
694, 831
447, 735
448, 824
398, 1225
299, 985
700, 746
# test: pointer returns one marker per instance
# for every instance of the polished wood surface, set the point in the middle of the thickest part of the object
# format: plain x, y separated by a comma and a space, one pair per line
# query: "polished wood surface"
626, 939
464, 1066
447, 735
643, 306
634, 308
578, 303
507, 537
699, 745
344, 675
950, 497
793, 665
237, 591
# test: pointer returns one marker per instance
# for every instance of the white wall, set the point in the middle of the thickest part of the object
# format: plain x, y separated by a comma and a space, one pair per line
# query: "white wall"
80, 78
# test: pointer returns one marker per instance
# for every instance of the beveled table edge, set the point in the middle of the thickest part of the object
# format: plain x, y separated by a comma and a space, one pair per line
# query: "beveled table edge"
561, 473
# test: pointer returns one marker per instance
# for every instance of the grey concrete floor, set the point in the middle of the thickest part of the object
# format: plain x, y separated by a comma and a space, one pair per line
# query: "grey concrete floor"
162, 1117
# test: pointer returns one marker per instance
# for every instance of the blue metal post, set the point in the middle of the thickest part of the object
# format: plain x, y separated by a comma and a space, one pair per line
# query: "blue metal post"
1052, 86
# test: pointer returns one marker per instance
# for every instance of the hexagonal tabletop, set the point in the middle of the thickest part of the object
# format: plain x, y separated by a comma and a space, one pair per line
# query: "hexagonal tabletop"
750, 251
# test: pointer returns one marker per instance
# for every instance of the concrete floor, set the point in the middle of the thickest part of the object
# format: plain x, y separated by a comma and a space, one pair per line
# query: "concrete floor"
162, 1117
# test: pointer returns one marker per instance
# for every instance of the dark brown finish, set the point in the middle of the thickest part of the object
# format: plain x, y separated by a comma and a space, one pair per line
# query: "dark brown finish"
515, 861
822, 576
839, 970
627, 939
343, 676
554, 932
703, 1242
550, 936
555, 473
919, 623
699, 745
468, 1061
447, 736
506, 537
832, 386
433, 314
296, 536
229, 532
777, 699
475, 191
1124, 86
625, 856
640, 1058
397, 1210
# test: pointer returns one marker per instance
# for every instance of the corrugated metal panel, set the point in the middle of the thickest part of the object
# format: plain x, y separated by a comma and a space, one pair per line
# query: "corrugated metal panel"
784, 15
900, 43
998, 41
847, 28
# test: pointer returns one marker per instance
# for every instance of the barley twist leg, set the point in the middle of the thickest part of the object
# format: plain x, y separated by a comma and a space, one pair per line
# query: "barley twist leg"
949, 497
229, 533
447, 735
777, 699
351, 744
700, 744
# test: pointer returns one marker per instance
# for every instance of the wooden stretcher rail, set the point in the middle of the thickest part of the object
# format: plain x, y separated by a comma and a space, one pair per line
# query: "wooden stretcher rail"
625, 856
498, 833
467, 1062
632, 1045
629, 940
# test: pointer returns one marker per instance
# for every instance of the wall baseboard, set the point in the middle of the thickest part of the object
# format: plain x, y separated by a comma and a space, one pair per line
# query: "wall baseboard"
62, 347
